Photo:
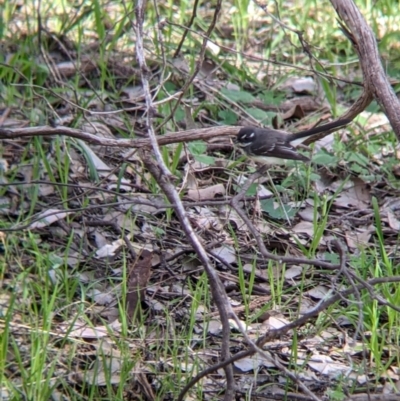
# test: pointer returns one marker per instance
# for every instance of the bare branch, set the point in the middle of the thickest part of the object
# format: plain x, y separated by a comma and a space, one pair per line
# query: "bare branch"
173, 137
376, 81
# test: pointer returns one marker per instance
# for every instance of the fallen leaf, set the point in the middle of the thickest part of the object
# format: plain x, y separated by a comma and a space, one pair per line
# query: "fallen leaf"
206, 193
226, 253
326, 365
105, 371
318, 292
308, 214
356, 194
48, 217
253, 363
304, 227
293, 272
360, 236
110, 249
139, 276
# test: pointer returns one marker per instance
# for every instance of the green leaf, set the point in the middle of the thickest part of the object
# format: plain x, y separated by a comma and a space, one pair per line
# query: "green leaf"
252, 190
261, 115
331, 257
357, 158
277, 210
356, 168
205, 159
273, 98
373, 107
238, 96
197, 148
170, 87
324, 158
179, 114
228, 117
314, 177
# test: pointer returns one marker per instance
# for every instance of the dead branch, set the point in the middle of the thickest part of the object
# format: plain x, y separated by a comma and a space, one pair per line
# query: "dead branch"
172, 137
375, 80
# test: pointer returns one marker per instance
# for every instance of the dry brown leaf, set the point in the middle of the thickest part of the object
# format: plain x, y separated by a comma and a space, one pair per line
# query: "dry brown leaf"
304, 227
137, 282
108, 250
356, 194
48, 217
275, 322
307, 103
254, 362
229, 215
206, 193
318, 292
393, 221
226, 253
80, 329
105, 371
293, 272
205, 219
295, 112
359, 236
307, 214
326, 365
300, 85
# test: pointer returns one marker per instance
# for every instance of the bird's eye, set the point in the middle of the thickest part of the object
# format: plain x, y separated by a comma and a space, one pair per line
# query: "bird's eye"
251, 135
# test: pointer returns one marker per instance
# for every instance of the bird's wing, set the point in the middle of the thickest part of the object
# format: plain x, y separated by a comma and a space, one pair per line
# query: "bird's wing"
279, 149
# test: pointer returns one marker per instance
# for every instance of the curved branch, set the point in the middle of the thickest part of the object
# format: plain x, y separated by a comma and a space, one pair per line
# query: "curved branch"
376, 81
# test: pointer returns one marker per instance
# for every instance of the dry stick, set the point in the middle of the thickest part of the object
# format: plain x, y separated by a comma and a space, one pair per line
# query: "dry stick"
192, 18
255, 347
275, 361
169, 138
374, 74
160, 39
351, 278
172, 137
343, 270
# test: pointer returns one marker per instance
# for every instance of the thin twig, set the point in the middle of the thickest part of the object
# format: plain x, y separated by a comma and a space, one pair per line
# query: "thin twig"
192, 18
144, 73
